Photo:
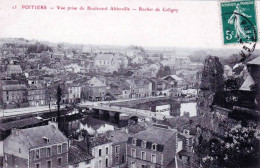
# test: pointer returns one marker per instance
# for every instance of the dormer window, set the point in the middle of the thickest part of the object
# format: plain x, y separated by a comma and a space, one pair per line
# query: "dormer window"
134, 142
144, 144
154, 147
47, 140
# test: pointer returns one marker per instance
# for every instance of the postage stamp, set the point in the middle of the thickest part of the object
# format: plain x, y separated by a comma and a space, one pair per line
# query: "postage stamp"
239, 21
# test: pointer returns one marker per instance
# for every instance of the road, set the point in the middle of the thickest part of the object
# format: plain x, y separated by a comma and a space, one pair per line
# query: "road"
27, 110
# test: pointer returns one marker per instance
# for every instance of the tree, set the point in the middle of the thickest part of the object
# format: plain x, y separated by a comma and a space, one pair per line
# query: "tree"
237, 149
59, 93
164, 71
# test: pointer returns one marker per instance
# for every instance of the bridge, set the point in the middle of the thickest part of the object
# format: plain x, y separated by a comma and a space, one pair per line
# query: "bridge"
127, 112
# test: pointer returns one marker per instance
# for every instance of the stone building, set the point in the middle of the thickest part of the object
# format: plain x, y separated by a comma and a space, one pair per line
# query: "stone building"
154, 147
36, 147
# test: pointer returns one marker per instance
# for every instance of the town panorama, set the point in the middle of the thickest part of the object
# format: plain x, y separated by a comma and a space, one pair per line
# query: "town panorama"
95, 106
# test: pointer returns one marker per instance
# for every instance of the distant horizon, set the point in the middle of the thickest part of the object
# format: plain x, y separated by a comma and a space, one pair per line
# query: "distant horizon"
125, 46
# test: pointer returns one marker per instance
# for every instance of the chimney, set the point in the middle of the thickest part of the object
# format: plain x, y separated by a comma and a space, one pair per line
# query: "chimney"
54, 124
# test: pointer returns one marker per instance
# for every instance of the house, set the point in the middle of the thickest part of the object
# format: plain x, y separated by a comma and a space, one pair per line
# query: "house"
140, 87
13, 69
119, 140
74, 92
175, 83
95, 90
160, 87
79, 156
14, 95
106, 62
58, 56
37, 147
36, 95
185, 147
101, 149
148, 149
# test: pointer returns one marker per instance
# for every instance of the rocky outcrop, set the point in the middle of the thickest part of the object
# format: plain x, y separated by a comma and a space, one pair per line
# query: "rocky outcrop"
212, 82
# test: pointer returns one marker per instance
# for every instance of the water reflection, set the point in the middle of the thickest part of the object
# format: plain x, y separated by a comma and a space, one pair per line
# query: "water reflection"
189, 107
93, 124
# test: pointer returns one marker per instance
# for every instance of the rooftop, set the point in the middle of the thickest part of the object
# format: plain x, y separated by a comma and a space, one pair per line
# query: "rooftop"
104, 57
14, 87
34, 137
14, 68
155, 134
99, 140
19, 123
118, 136
255, 61
77, 155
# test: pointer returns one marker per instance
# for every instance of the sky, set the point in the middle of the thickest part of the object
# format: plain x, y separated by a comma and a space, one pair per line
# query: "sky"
197, 23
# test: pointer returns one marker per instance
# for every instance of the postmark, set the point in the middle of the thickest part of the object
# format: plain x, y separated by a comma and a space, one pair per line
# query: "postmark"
239, 22
239, 25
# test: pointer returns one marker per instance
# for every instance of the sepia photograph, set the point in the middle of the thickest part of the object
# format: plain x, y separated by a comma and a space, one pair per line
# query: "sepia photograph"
129, 84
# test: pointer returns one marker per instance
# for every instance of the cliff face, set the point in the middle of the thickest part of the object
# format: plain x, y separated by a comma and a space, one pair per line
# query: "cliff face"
212, 75
212, 82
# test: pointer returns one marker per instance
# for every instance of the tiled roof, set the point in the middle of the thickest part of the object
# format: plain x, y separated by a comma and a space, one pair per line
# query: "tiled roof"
77, 155
175, 77
118, 136
99, 140
19, 123
246, 86
155, 134
14, 87
135, 128
255, 61
95, 82
14, 68
33, 137
104, 57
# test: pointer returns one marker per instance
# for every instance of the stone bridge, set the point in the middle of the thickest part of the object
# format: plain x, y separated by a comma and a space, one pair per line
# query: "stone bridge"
124, 112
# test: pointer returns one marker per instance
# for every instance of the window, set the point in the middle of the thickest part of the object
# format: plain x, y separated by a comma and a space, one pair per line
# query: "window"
100, 163
59, 162
37, 154
106, 150
153, 158
99, 152
143, 155
154, 147
187, 142
133, 165
117, 149
106, 162
49, 164
144, 144
59, 149
133, 153
123, 158
48, 152
134, 141
37, 165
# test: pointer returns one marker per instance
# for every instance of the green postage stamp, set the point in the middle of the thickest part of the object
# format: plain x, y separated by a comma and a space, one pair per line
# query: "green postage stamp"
239, 21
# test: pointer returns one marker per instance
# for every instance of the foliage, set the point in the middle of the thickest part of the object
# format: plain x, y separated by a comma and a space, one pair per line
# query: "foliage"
164, 71
38, 48
237, 149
